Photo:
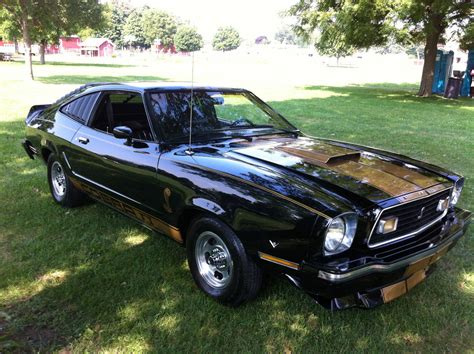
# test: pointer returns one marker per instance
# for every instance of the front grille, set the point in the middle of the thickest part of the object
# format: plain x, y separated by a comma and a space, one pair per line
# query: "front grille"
409, 221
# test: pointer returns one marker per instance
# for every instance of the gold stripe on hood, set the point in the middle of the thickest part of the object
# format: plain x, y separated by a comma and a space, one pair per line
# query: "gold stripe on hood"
384, 181
390, 178
401, 172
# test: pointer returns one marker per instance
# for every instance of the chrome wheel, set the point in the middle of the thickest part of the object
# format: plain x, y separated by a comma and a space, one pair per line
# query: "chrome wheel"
58, 179
213, 260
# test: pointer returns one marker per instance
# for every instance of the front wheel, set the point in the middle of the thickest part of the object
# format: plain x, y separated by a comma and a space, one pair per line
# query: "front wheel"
61, 187
219, 264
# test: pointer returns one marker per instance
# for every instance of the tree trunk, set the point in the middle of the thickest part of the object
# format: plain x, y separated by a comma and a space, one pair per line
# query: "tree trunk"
42, 49
27, 42
15, 41
431, 46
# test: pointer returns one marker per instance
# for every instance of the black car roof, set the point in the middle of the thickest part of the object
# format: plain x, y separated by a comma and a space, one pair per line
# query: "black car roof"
157, 86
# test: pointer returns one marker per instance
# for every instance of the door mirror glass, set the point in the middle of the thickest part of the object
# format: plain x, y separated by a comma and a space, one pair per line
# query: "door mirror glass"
123, 132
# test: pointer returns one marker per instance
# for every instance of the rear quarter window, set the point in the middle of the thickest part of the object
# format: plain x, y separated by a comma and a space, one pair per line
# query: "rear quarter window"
80, 109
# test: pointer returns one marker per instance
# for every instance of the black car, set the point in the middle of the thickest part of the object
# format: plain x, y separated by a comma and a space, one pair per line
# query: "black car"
221, 172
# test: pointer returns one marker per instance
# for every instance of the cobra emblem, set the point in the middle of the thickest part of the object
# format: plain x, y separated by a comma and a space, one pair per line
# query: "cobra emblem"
166, 204
421, 213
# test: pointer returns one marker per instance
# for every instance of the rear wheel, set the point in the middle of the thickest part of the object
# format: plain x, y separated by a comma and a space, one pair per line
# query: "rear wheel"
61, 187
219, 264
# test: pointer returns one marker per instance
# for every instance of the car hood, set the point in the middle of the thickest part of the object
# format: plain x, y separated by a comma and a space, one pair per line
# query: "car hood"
369, 174
324, 175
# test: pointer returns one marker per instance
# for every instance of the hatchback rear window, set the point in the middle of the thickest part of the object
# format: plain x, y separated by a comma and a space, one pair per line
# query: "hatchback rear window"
80, 109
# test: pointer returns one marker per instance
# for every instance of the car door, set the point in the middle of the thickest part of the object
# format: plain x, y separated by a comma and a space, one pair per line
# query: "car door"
123, 170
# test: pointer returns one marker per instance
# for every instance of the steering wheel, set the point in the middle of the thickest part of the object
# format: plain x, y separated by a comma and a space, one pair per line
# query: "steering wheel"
242, 122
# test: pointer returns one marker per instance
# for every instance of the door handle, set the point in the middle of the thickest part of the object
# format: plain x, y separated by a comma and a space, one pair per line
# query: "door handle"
83, 140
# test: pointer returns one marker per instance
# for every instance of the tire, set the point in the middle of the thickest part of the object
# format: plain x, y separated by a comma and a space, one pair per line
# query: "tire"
219, 264
61, 188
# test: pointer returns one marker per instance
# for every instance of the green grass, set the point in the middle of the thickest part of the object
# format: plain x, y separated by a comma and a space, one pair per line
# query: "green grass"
83, 79
89, 279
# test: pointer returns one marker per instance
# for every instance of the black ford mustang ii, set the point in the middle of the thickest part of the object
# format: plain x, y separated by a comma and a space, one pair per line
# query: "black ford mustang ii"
350, 225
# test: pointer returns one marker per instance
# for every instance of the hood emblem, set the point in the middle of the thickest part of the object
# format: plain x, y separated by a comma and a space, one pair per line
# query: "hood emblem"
421, 213
273, 243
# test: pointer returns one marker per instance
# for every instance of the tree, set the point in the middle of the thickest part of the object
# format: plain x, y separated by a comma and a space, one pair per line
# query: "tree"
8, 28
116, 17
467, 40
373, 23
133, 30
226, 38
159, 26
187, 39
332, 42
43, 20
285, 36
66, 17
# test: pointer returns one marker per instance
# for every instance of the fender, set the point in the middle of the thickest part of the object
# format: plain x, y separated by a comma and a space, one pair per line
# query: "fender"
208, 206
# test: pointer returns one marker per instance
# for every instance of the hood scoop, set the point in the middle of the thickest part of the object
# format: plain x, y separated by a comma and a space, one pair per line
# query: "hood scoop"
366, 174
322, 157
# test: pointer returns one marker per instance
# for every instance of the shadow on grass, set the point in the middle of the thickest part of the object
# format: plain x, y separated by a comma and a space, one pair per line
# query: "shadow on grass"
396, 92
83, 79
18, 60
99, 65
99, 282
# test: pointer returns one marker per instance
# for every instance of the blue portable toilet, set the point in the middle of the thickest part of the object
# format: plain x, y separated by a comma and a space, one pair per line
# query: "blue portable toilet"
467, 82
442, 71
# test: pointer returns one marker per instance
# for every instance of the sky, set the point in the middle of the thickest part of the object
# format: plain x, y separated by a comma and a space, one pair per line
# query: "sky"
252, 18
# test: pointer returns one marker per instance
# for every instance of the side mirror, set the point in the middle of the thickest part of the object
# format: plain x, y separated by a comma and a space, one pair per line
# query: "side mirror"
123, 132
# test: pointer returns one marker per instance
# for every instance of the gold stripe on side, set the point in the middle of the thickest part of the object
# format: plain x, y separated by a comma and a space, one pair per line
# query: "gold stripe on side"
276, 194
277, 260
394, 291
152, 221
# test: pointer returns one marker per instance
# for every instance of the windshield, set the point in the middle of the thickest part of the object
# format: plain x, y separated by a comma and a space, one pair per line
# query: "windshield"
215, 115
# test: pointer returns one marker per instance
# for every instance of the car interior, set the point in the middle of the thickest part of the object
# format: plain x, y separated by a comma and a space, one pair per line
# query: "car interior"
123, 109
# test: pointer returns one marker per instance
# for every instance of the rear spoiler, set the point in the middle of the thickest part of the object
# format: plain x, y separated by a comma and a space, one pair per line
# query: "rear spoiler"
35, 111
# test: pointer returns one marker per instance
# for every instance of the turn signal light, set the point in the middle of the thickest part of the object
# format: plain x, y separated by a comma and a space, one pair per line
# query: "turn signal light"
443, 204
387, 225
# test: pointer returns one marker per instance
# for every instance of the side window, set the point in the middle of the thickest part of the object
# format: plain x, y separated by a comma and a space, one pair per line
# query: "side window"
81, 108
117, 109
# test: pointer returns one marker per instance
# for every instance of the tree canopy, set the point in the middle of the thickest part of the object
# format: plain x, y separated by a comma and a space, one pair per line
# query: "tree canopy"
133, 29
285, 36
361, 24
159, 26
467, 40
226, 38
46, 20
187, 39
116, 13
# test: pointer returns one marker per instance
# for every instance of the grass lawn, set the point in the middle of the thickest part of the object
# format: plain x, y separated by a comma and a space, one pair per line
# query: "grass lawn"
89, 279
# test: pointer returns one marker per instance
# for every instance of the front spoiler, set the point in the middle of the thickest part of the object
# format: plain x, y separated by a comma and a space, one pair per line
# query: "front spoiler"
378, 283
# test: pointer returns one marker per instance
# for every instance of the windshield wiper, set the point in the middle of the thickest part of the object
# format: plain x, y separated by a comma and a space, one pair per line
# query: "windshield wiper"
200, 136
294, 132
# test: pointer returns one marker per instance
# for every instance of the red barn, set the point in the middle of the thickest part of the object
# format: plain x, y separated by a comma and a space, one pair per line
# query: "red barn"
7, 47
97, 47
70, 44
52, 49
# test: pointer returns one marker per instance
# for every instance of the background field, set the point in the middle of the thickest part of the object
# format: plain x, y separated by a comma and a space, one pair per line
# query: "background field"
91, 279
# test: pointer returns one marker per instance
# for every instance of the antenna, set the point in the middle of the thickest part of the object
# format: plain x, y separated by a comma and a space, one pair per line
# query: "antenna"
190, 150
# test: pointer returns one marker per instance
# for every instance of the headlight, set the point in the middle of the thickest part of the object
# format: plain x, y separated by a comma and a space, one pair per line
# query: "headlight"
456, 193
340, 234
